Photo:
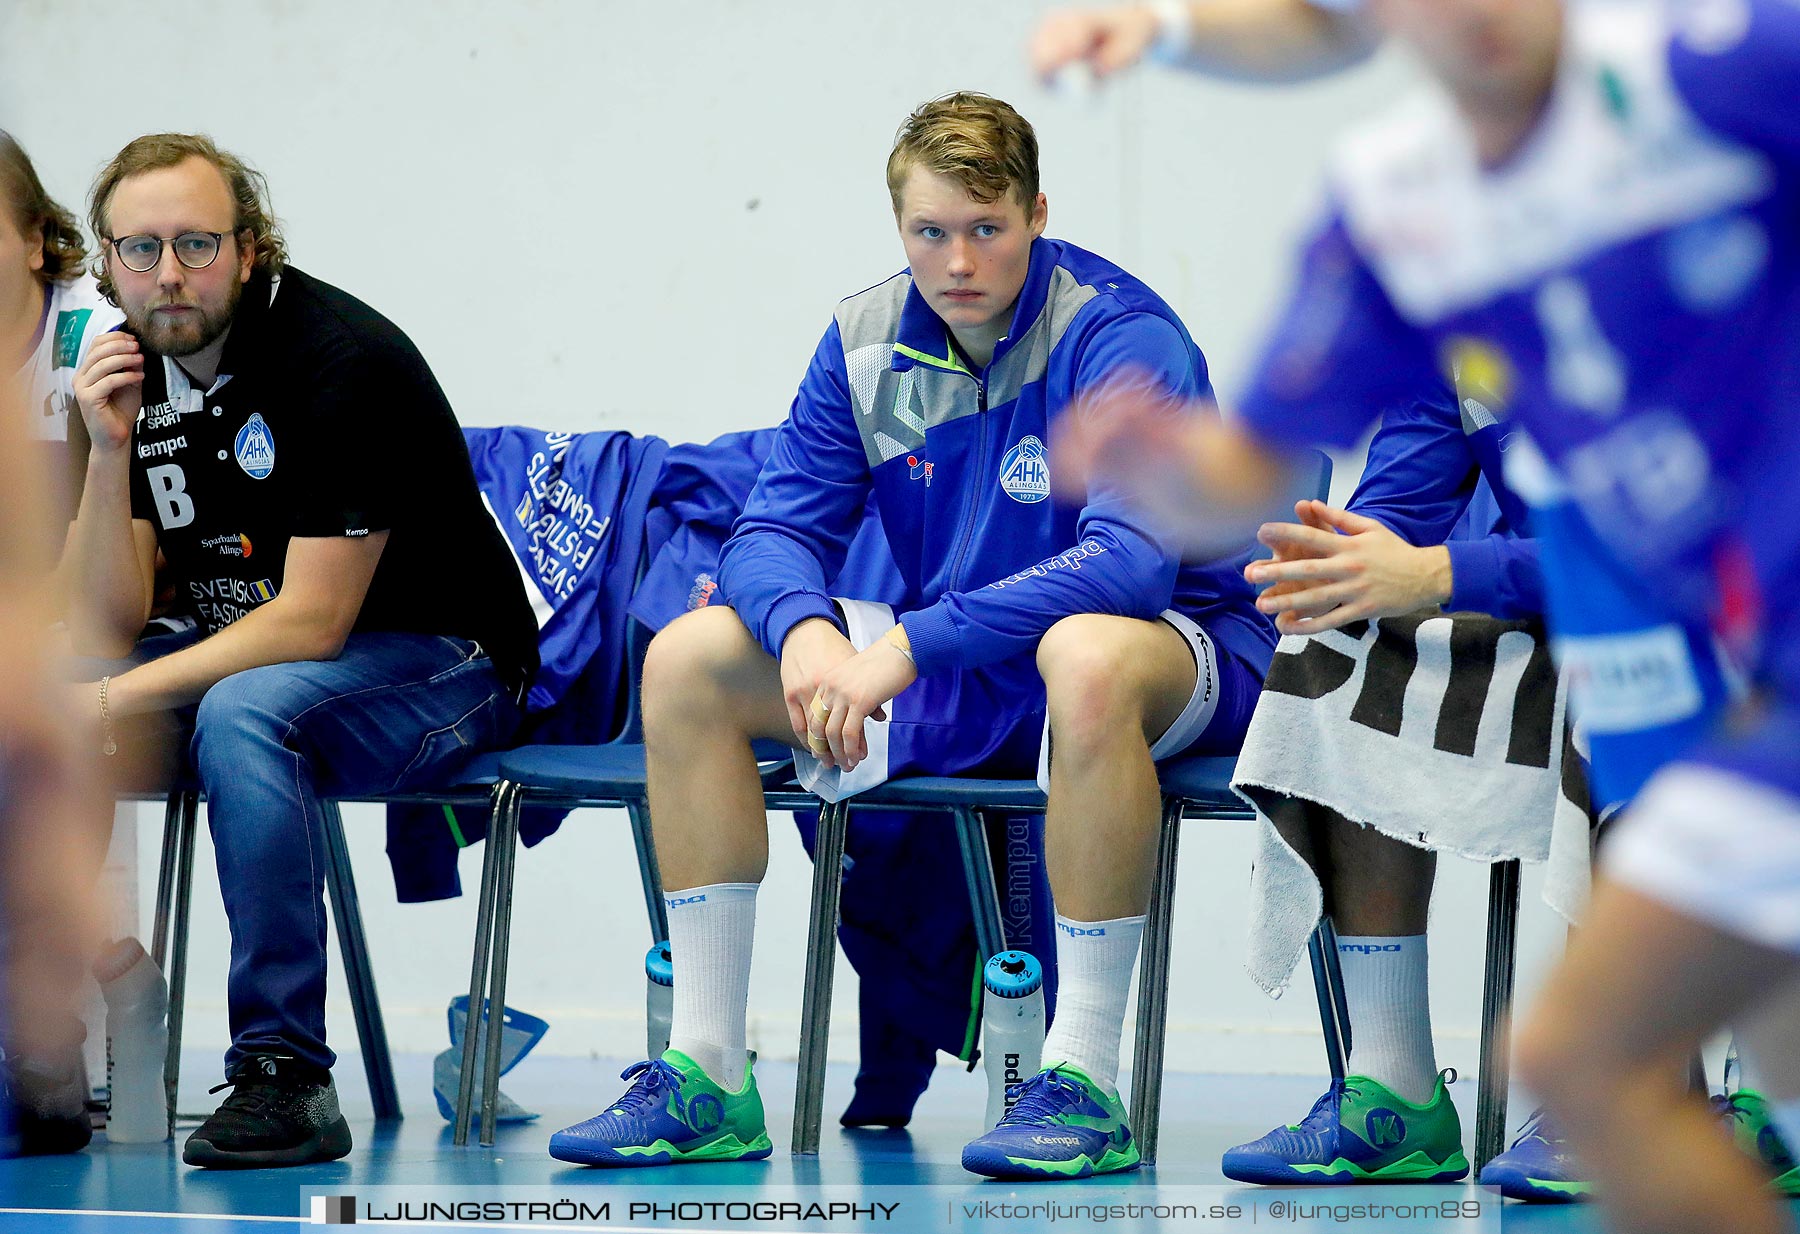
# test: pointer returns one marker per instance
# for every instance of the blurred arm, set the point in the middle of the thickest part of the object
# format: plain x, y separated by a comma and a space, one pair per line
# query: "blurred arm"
1246, 40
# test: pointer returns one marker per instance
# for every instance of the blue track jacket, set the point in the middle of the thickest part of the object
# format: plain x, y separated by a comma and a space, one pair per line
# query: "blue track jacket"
957, 462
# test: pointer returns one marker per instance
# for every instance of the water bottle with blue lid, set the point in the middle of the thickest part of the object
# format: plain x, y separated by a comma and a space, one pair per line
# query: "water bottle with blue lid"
1013, 1040
659, 998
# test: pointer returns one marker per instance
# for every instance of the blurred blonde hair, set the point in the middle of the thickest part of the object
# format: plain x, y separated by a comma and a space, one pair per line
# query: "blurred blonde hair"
32, 207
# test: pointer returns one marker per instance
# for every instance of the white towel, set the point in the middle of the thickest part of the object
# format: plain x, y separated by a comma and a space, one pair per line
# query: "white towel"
865, 621
1445, 731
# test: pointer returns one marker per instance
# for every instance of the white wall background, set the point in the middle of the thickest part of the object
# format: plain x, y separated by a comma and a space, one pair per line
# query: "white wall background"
639, 216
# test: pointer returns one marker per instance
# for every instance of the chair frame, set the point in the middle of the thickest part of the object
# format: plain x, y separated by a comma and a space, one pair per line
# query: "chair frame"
174, 903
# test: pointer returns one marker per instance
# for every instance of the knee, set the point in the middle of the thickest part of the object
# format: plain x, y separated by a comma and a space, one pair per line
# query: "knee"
691, 666
231, 703
234, 709
1092, 685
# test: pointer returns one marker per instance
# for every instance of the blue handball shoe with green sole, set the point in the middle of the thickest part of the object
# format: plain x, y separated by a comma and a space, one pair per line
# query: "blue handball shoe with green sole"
672, 1112
1360, 1131
1538, 1168
1063, 1126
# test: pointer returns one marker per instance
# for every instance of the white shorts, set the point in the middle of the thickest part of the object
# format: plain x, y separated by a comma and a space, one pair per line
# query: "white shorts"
1717, 847
866, 621
1194, 717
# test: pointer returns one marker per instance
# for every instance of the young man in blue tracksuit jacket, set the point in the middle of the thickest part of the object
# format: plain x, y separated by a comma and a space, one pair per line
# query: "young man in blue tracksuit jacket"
935, 395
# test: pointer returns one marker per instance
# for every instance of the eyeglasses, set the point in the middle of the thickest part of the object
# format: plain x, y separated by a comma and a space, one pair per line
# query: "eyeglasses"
194, 249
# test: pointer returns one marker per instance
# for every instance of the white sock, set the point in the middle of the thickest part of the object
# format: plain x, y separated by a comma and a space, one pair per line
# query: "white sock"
1390, 1012
710, 933
1093, 966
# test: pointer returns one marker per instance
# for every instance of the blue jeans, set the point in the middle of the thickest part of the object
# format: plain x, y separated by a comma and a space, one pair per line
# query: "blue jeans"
394, 712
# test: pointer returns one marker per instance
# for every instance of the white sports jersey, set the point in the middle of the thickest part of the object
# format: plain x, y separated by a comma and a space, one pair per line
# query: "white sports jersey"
78, 314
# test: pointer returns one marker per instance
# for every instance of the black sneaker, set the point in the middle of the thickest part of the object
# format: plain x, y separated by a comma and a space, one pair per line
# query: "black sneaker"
49, 1103
280, 1112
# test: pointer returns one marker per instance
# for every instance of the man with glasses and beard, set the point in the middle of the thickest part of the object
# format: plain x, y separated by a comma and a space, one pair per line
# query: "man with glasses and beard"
362, 628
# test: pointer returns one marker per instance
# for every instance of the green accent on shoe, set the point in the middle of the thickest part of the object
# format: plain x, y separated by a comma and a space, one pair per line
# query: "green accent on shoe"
1359, 1130
1788, 1184
1562, 1188
743, 1126
673, 1112
1411, 1166
1432, 1140
725, 1148
1112, 1159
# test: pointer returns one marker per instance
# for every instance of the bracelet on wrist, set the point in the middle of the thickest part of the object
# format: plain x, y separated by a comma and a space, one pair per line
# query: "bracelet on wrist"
108, 746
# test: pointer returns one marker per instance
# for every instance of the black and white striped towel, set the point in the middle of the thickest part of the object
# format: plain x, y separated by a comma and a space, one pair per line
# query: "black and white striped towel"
1448, 731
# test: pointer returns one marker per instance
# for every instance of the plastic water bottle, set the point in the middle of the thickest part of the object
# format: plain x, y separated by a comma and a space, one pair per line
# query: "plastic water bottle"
659, 998
1013, 1040
137, 1031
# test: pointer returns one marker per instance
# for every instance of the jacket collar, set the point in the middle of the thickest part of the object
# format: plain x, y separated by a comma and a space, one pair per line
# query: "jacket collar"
923, 338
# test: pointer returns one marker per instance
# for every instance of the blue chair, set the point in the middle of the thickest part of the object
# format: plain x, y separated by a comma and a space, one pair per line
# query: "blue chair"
1196, 788
563, 777
970, 804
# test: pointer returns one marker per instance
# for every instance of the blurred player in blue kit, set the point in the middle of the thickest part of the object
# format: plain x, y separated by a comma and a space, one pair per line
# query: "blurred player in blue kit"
1591, 216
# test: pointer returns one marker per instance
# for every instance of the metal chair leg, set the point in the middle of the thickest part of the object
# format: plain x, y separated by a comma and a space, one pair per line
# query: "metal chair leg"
165, 881
1496, 1008
978, 879
188, 812
1153, 989
649, 873
821, 970
1328, 985
496, 1001
359, 973
478, 966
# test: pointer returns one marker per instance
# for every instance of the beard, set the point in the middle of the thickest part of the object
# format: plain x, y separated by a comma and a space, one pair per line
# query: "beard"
187, 334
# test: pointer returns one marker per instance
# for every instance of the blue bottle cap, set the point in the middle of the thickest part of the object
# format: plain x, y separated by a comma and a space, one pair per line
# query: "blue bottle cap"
659, 965
1012, 974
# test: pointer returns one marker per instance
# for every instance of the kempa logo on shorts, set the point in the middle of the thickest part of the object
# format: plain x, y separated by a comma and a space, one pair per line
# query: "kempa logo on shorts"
1025, 471
255, 448
1368, 948
151, 449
